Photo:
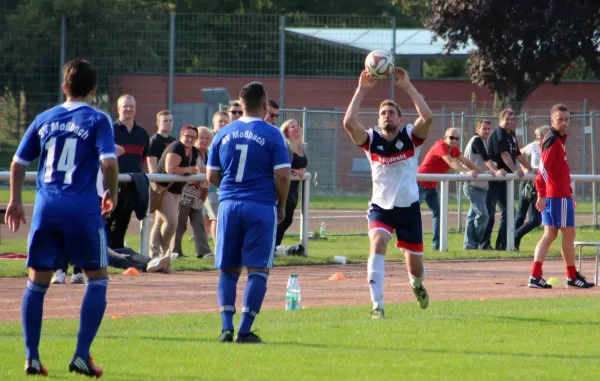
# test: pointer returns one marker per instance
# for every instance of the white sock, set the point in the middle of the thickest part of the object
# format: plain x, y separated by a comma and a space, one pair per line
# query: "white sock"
375, 276
416, 282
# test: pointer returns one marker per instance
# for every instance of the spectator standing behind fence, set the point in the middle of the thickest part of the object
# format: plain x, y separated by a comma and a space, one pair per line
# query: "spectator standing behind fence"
556, 201
441, 157
295, 145
134, 139
178, 159
211, 206
161, 140
476, 191
234, 110
503, 149
272, 112
191, 203
526, 204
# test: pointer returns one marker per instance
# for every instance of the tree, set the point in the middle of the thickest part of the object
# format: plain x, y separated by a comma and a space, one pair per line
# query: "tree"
107, 33
520, 44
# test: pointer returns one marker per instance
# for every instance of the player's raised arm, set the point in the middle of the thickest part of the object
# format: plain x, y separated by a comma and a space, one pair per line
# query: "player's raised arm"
357, 132
422, 125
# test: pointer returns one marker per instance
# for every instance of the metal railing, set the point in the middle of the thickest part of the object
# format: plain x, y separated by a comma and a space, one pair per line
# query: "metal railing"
145, 226
304, 217
510, 199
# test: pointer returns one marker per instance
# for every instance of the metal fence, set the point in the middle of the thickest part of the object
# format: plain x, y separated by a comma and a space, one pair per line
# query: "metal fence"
189, 63
341, 168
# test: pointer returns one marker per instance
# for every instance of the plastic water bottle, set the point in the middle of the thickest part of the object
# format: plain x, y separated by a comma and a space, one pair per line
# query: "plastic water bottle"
322, 230
293, 297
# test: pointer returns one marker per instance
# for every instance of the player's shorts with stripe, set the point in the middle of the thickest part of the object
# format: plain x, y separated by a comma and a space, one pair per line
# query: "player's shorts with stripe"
61, 233
405, 221
559, 213
246, 234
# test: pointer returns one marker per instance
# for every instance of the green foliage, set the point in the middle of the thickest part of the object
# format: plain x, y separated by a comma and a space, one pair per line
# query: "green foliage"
520, 45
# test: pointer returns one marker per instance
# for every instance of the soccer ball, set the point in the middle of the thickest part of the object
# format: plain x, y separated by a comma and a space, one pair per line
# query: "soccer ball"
380, 64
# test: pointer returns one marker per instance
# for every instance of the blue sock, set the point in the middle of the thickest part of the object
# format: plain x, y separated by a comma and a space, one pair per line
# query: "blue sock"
226, 293
254, 294
92, 311
32, 309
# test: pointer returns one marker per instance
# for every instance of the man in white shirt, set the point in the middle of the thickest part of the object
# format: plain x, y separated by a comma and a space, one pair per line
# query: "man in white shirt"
393, 154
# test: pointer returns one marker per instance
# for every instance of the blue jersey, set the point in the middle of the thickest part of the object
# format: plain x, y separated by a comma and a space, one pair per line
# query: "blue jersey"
70, 140
247, 152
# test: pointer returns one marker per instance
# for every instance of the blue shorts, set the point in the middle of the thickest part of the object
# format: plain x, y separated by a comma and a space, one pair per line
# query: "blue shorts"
406, 221
245, 235
64, 234
559, 213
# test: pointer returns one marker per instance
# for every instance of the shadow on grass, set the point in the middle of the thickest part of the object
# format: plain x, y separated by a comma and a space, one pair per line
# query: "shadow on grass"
548, 321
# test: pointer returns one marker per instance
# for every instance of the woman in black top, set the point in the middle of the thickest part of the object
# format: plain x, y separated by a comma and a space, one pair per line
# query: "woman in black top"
295, 143
179, 158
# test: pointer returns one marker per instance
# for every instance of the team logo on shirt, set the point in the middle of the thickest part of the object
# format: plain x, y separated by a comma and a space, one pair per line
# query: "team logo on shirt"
399, 145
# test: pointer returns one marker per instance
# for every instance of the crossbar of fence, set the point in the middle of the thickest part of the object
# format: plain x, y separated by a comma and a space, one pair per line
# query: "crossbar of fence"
145, 224
304, 217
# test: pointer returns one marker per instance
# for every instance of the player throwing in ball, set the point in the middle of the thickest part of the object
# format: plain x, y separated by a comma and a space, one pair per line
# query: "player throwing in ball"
393, 154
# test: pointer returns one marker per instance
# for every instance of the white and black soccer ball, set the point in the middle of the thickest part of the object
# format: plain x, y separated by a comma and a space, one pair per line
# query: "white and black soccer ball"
380, 64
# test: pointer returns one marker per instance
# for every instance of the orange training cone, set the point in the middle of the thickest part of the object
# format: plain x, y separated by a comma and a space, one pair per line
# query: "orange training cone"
337, 276
131, 271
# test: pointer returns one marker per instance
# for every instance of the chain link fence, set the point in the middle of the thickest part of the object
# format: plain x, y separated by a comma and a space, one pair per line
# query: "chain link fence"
191, 63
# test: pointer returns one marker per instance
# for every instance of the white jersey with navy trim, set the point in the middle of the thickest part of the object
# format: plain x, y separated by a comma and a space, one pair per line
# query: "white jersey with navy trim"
393, 167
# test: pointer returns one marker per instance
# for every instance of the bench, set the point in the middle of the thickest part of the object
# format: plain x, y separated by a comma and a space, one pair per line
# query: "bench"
581, 245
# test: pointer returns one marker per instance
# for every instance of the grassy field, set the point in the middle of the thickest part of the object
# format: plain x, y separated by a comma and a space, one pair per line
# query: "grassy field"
533, 339
355, 248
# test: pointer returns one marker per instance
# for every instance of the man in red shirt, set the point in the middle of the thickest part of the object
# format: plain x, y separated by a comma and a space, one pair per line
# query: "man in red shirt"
556, 202
443, 156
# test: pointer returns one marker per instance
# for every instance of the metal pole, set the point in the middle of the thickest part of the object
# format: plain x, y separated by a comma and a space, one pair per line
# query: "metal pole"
459, 184
304, 211
443, 119
585, 169
510, 215
593, 148
444, 215
281, 61
145, 229
171, 58
525, 130
473, 121
392, 85
63, 54
304, 123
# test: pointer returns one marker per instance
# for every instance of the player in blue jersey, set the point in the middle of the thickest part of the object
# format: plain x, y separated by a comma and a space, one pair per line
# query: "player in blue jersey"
248, 161
72, 141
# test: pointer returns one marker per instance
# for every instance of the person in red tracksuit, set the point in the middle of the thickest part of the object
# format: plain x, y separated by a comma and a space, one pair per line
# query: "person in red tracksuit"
556, 202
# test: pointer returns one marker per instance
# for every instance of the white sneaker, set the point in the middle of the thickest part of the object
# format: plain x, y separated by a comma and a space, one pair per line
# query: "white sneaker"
59, 277
280, 250
159, 264
78, 279
208, 256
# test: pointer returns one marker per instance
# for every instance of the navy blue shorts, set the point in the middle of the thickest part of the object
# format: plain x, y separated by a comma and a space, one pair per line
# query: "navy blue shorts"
405, 221
80, 242
559, 213
246, 235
